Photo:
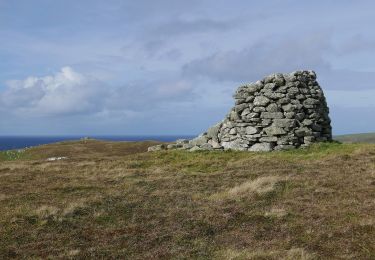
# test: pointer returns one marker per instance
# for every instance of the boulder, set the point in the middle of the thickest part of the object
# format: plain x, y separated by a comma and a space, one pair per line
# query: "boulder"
261, 147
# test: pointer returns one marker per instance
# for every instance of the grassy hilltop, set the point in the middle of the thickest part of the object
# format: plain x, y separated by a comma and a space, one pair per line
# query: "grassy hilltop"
114, 200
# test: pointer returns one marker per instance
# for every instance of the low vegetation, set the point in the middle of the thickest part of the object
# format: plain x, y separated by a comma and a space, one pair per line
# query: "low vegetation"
114, 200
357, 138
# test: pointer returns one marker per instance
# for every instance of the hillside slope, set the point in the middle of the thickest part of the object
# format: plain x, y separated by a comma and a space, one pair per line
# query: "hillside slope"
356, 138
112, 200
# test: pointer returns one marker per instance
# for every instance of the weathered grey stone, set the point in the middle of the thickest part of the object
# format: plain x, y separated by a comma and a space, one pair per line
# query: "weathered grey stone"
261, 147
274, 130
213, 132
269, 78
300, 97
272, 115
215, 145
282, 147
284, 140
285, 123
279, 79
239, 108
259, 109
236, 144
249, 99
274, 95
310, 101
251, 130
240, 101
245, 112
293, 90
289, 108
233, 116
253, 135
261, 101
303, 131
172, 146
187, 146
195, 148
233, 131
284, 101
273, 107
307, 122
265, 122
316, 127
252, 115
255, 120
300, 116
308, 139
254, 87
206, 147
268, 139
290, 115
199, 140
270, 86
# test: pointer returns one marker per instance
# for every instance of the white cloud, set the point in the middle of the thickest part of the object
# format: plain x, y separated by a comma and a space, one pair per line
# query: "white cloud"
66, 92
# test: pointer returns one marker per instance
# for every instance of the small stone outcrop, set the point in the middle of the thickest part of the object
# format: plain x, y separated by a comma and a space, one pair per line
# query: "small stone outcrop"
279, 112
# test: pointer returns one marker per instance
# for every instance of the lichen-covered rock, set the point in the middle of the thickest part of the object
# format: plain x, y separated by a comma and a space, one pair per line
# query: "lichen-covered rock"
280, 112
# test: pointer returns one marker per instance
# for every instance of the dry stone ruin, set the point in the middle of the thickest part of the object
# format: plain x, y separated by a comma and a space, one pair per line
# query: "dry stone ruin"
279, 112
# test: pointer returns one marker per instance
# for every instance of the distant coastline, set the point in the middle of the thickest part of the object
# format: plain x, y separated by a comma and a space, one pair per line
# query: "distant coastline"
20, 142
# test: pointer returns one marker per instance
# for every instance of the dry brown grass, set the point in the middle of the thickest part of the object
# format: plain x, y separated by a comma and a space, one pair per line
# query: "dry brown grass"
276, 212
291, 254
260, 186
114, 200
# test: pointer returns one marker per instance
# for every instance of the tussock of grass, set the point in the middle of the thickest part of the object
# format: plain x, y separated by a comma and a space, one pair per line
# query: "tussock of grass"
68, 209
259, 186
45, 212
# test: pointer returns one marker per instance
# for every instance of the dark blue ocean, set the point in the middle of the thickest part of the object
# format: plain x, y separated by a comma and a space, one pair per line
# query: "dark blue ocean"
18, 142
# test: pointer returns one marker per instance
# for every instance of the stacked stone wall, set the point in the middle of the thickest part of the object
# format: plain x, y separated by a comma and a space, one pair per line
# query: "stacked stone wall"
279, 112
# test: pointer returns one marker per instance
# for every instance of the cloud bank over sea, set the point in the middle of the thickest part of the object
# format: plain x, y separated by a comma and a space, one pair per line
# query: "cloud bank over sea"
171, 67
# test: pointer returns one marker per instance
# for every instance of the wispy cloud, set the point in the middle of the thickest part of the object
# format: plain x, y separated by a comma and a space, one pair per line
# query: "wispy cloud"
268, 55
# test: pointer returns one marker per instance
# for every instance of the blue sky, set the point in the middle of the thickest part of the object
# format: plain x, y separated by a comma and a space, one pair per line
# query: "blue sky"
170, 67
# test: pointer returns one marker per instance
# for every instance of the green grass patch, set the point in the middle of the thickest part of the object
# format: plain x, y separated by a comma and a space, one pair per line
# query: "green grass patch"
13, 155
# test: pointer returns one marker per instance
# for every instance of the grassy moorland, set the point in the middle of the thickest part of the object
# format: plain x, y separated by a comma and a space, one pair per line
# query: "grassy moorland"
113, 200
357, 138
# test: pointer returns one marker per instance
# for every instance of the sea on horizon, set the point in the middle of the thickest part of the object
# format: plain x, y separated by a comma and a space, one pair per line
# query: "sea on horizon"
20, 142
